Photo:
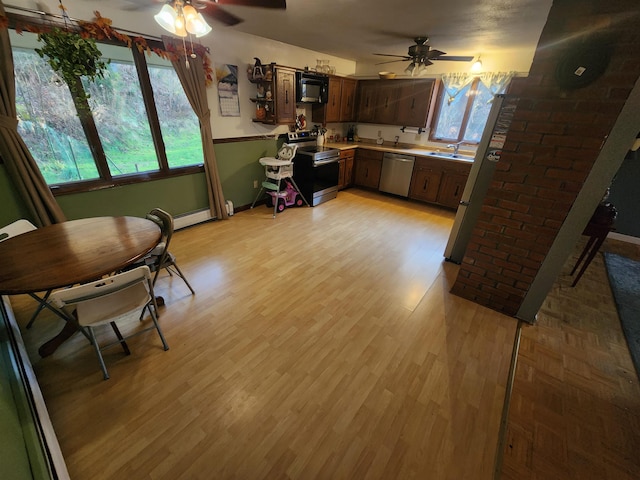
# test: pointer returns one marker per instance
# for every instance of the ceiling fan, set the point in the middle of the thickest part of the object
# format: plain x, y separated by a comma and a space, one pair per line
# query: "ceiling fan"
421, 55
211, 9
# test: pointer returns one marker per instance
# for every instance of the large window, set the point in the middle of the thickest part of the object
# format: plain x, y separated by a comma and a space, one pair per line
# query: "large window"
464, 105
139, 123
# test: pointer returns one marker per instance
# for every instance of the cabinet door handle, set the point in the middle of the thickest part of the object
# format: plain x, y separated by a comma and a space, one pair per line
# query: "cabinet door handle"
457, 190
286, 96
413, 103
426, 181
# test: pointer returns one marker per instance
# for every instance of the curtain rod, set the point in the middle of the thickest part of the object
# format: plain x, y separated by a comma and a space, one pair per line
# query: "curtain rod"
57, 16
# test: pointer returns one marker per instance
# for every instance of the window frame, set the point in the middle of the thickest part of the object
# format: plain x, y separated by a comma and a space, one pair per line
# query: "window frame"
106, 180
465, 116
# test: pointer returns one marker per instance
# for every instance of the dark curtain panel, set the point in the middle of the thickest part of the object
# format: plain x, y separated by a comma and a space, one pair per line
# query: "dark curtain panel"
192, 77
21, 166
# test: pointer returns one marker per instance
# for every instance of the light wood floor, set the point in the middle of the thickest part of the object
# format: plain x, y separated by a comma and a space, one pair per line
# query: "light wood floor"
321, 344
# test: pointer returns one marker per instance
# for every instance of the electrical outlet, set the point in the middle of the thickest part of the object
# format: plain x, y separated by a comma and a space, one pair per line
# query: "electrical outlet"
379, 133
417, 137
255, 184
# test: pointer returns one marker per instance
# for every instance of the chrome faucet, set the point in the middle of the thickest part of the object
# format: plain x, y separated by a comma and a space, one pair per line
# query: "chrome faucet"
455, 147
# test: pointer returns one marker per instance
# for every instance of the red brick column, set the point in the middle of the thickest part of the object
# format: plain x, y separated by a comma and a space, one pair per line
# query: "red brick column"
553, 142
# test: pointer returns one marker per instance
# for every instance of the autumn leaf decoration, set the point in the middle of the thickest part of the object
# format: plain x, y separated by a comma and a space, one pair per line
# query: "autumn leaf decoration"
74, 50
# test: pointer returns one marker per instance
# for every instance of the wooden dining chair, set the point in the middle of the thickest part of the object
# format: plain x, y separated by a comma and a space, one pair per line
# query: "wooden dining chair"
111, 300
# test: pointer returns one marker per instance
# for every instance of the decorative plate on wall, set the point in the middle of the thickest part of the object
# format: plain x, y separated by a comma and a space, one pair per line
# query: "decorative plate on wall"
582, 64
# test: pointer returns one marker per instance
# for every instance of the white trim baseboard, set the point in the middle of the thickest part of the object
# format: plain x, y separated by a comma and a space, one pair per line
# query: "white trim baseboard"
624, 238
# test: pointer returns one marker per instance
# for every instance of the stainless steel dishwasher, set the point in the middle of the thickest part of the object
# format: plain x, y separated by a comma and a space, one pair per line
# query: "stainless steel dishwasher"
396, 173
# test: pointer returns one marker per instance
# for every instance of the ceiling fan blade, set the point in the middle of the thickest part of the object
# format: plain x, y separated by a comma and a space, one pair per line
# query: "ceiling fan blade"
435, 53
211, 10
389, 55
453, 58
394, 61
279, 4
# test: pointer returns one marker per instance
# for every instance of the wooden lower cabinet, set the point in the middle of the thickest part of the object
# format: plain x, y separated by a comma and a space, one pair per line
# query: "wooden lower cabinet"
368, 168
451, 188
345, 174
438, 181
425, 181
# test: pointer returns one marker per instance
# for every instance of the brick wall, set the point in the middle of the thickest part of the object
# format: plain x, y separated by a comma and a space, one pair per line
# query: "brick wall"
551, 146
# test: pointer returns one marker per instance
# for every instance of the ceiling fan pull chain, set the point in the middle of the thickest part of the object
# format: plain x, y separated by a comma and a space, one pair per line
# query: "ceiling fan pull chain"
186, 57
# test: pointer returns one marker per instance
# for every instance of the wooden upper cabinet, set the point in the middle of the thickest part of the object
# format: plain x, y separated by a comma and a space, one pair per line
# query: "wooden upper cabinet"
366, 94
395, 102
285, 96
340, 106
332, 113
414, 103
348, 100
387, 102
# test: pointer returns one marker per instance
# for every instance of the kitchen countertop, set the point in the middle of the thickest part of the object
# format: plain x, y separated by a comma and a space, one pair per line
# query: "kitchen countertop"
419, 151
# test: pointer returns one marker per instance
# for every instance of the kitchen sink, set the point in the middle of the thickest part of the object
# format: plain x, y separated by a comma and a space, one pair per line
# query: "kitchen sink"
451, 155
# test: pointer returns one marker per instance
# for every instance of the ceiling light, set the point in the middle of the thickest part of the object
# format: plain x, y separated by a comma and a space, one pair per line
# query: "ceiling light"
181, 19
477, 66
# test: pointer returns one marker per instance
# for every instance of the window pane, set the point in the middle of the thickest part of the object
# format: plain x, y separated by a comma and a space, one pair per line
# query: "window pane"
48, 121
178, 122
451, 114
121, 118
479, 114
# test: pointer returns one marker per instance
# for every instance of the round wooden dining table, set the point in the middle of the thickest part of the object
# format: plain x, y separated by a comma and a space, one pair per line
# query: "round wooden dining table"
68, 253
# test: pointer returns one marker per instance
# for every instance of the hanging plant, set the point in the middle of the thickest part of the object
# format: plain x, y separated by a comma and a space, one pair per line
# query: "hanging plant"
71, 56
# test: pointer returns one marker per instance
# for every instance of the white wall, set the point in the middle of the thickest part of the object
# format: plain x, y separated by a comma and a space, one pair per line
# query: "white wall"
225, 45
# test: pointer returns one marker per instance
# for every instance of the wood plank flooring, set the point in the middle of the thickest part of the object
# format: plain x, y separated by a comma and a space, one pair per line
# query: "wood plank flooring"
324, 344
320, 344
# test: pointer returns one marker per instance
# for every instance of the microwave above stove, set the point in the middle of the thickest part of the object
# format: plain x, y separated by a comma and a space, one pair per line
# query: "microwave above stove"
311, 87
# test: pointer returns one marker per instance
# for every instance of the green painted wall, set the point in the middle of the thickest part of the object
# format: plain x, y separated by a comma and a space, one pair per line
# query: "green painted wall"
11, 207
177, 195
238, 167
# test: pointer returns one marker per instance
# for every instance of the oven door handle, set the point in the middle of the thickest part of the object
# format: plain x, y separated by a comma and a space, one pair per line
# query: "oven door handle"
325, 161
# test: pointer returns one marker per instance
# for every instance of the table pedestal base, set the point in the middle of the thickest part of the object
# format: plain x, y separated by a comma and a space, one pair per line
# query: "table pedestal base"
49, 347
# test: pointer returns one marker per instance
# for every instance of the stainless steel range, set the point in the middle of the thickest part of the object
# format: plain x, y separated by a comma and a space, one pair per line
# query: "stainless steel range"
315, 168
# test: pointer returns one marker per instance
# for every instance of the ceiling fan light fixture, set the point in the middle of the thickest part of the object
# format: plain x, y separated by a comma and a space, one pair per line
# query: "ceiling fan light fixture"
200, 26
181, 29
166, 18
181, 19
410, 68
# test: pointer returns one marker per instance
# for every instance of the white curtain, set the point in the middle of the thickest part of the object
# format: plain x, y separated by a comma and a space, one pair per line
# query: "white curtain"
454, 83
496, 82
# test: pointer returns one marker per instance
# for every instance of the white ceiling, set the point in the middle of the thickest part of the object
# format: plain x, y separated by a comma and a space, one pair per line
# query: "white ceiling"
504, 32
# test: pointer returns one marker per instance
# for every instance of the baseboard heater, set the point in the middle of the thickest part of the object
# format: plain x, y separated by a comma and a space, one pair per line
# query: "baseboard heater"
200, 216
191, 218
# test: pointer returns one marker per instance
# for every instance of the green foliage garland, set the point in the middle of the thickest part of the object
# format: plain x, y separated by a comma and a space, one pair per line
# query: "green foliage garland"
72, 56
